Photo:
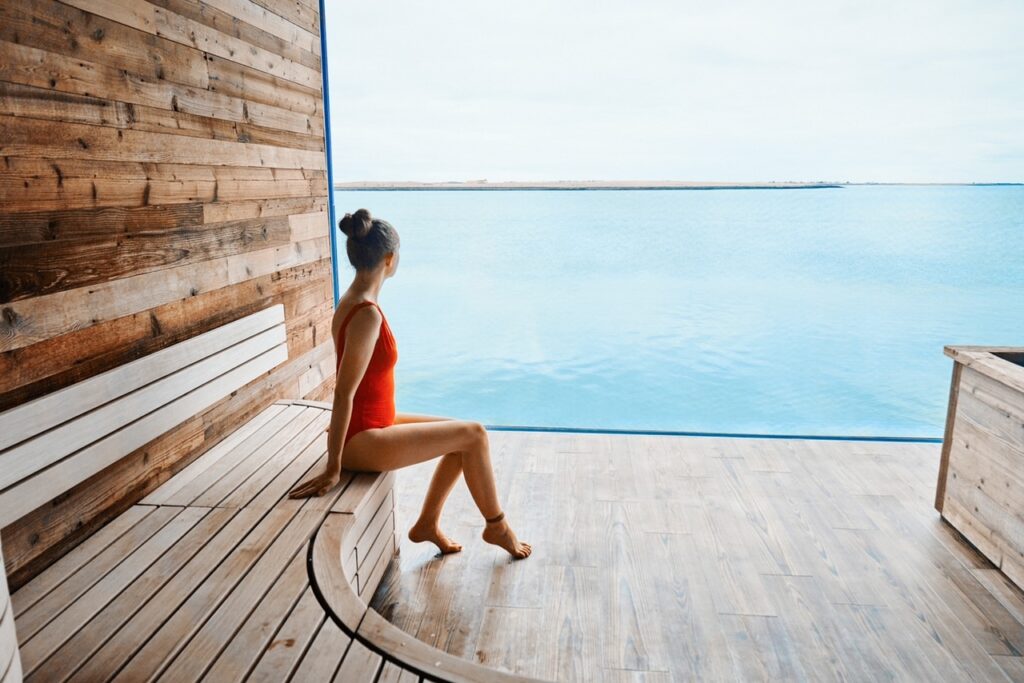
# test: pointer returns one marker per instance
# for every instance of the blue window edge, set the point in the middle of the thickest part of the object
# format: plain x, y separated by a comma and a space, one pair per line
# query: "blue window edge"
724, 435
332, 216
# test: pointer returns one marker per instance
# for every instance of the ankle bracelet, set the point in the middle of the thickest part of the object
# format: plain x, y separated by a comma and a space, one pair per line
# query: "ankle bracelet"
495, 520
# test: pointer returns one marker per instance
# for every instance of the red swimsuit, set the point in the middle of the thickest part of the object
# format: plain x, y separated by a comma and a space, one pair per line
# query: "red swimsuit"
374, 402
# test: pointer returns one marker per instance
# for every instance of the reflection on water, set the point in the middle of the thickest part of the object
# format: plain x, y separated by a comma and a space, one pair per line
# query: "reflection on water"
806, 311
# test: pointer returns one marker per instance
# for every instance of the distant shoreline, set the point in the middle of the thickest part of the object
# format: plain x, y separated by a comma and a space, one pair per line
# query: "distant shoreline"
620, 185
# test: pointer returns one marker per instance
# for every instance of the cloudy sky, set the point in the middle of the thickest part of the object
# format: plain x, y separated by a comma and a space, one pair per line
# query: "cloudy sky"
898, 90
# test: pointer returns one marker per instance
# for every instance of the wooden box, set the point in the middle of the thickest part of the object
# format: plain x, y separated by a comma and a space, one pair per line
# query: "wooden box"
981, 476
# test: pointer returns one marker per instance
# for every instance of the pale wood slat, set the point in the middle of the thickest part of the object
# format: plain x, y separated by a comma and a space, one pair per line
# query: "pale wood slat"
47, 412
42, 487
55, 601
364, 499
323, 658
12, 674
359, 494
302, 448
8, 637
80, 556
392, 673
283, 654
431, 661
251, 640
369, 536
360, 664
199, 585
385, 550
198, 466
210, 639
287, 443
36, 648
10, 660
77, 649
274, 495
27, 458
192, 489
338, 589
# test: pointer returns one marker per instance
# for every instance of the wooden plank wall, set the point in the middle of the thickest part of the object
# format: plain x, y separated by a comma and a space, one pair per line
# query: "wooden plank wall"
163, 173
984, 487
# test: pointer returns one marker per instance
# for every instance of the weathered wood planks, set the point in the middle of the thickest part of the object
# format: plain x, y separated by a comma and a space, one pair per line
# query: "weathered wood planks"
674, 558
162, 173
180, 588
980, 487
10, 659
59, 440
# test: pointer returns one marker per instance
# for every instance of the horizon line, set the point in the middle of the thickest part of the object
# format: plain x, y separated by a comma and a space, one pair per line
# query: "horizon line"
635, 185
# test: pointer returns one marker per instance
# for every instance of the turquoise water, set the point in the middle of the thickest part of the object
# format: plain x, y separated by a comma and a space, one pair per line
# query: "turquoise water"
820, 312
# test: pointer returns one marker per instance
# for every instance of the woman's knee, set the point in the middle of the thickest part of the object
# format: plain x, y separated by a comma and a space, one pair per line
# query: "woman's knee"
475, 433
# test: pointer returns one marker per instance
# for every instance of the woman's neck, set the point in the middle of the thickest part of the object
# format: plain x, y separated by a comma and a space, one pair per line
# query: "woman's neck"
368, 283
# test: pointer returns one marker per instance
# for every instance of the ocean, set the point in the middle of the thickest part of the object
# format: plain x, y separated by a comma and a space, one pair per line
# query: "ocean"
811, 312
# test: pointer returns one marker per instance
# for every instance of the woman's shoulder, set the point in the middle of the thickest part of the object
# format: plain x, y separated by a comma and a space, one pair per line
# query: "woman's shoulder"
366, 312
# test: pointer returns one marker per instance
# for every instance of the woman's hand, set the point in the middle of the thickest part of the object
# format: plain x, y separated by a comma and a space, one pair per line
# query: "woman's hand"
317, 486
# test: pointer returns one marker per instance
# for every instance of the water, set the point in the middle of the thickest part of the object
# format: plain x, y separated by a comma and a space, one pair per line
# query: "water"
819, 312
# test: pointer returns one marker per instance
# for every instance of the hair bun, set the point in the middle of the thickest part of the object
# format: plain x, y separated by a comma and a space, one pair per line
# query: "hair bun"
356, 225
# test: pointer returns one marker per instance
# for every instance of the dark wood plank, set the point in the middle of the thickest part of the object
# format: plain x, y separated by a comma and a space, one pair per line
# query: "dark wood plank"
947, 439
31, 270
59, 28
34, 138
244, 102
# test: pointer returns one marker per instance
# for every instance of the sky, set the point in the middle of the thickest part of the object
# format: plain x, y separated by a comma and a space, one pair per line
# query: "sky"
744, 91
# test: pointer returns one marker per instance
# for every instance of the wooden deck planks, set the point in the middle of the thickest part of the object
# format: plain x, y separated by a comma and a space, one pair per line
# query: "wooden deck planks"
64, 593
710, 560
39, 645
322, 660
74, 651
282, 655
188, 592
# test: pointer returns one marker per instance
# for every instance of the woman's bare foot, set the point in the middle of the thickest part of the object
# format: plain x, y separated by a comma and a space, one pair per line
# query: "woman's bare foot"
500, 534
422, 531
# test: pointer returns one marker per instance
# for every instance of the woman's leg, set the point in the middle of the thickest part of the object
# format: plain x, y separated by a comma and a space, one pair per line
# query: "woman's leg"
449, 469
428, 526
401, 445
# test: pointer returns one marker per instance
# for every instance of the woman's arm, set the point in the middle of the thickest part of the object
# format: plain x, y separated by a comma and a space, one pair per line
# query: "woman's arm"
360, 339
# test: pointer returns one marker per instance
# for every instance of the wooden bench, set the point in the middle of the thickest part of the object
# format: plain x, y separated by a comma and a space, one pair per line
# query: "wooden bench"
216, 575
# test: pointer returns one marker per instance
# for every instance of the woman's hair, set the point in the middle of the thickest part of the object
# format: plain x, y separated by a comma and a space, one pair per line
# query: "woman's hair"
369, 239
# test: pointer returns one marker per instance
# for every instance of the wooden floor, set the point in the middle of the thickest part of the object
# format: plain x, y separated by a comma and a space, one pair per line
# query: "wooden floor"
673, 559
206, 578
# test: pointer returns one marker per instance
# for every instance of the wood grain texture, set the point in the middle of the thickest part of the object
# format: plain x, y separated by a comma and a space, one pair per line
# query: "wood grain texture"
162, 173
674, 558
10, 659
980, 486
214, 591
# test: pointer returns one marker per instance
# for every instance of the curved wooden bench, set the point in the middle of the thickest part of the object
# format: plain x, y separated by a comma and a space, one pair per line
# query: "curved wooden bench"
336, 587
218, 575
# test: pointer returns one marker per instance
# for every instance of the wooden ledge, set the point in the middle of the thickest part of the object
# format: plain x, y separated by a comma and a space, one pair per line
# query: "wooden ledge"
988, 361
332, 584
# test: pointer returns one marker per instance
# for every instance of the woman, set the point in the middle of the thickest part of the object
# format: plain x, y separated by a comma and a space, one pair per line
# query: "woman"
365, 433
